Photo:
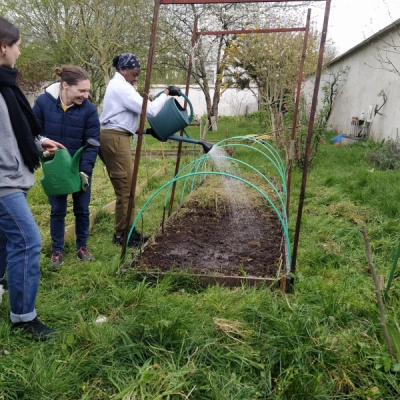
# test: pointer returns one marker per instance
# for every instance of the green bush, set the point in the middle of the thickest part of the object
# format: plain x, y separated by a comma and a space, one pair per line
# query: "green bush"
385, 156
261, 116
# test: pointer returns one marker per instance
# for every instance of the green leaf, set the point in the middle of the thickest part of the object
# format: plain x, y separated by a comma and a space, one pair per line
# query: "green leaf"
387, 363
70, 339
394, 334
396, 367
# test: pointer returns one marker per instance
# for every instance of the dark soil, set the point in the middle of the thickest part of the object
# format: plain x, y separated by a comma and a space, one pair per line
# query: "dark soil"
214, 242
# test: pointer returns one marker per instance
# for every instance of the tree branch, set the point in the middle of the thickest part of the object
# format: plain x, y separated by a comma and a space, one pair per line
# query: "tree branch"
363, 230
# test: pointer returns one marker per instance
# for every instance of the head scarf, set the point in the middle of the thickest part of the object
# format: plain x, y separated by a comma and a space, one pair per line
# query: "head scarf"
126, 61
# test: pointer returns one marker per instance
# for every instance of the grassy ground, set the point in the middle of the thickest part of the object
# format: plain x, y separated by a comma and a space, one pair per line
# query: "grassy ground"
171, 339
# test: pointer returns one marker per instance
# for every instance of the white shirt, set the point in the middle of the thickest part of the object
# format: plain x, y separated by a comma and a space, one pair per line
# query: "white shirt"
123, 105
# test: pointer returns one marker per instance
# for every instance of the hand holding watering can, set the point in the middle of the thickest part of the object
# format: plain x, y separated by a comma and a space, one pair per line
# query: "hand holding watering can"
50, 147
174, 91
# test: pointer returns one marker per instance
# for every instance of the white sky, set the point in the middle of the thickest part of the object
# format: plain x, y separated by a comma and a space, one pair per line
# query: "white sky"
352, 21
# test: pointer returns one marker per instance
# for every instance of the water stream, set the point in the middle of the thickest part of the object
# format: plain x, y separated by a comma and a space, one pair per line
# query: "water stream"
240, 208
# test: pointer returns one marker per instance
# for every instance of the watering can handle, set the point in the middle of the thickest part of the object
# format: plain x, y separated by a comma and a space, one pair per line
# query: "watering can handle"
187, 100
190, 106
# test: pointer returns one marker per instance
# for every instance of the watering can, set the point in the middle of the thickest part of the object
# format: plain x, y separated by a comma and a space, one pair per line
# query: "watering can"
172, 119
61, 173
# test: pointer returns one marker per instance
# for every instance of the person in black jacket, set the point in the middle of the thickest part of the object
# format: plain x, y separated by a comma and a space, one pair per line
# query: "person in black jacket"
20, 146
66, 115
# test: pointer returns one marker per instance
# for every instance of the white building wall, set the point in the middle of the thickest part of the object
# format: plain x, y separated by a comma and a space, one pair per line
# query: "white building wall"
232, 102
361, 90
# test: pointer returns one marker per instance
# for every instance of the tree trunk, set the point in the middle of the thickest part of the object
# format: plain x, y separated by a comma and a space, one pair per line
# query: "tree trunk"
217, 85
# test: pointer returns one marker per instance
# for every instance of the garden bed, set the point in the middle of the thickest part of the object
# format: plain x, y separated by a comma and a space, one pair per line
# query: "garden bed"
216, 243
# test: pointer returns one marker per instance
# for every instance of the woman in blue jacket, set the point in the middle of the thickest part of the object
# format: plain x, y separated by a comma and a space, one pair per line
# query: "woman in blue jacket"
67, 116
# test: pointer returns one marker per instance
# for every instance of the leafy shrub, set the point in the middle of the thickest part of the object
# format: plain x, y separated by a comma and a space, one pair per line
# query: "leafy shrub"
385, 156
300, 140
232, 119
261, 116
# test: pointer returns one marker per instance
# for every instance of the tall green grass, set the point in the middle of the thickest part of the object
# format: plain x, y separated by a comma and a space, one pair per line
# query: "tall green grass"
172, 339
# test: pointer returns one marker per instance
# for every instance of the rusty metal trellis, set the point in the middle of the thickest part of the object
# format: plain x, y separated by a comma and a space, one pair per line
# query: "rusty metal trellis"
157, 4
244, 31
230, 1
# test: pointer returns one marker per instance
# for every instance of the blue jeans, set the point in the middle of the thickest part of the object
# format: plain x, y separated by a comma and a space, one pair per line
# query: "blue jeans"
20, 245
81, 201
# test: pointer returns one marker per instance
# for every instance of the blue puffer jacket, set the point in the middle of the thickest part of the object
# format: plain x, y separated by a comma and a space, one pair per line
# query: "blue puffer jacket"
72, 128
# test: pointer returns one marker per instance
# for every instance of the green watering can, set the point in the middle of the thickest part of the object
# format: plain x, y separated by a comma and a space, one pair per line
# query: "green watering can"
172, 119
61, 173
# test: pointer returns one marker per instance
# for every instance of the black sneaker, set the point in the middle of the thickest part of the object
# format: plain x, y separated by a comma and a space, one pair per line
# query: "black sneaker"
118, 240
136, 239
37, 329
3, 283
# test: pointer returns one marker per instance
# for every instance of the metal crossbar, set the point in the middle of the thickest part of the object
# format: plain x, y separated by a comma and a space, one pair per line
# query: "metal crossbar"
249, 31
230, 1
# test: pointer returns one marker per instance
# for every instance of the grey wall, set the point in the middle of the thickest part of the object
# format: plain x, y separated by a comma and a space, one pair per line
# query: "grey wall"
360, 89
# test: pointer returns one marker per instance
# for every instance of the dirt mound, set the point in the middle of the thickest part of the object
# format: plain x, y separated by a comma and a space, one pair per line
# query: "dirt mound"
214, 242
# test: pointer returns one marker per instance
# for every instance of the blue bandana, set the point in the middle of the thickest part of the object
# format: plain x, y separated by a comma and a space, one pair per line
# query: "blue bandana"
126, 61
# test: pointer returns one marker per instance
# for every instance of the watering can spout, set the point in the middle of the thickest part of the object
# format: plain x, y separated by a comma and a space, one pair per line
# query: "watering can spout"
207, 146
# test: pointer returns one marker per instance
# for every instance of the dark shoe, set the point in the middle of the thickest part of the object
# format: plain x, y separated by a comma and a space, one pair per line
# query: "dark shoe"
56, 259
85, 255
119, 241
38, 330
138, 237
3, 283
134, 242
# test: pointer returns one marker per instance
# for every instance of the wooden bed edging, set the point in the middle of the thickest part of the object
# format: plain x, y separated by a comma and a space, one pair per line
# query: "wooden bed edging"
212, 280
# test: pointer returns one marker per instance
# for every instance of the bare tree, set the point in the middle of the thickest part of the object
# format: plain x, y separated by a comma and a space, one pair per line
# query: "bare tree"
388, 52
333, 87
209, 51
270, 63
88, 33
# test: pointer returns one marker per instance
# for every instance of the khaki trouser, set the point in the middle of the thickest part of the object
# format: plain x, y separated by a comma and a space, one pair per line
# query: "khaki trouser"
115, 152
